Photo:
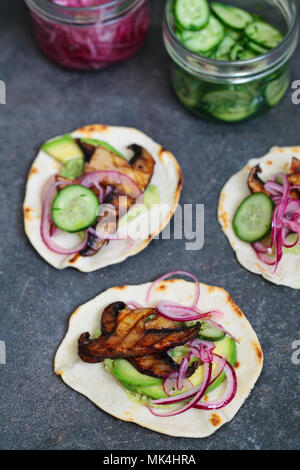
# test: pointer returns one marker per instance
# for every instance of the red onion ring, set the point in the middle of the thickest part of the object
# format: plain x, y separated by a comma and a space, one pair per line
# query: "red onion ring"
220, 327
172, 273
285, 220
170, 384
229, 392
112, 178
197, 396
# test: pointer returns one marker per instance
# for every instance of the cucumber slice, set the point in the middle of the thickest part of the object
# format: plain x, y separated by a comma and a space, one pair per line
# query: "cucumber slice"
256, 47
63, 149
253, 218
191, 14
246, 54
75, 208
229, 105
232, 17
128, 375
187, 89
206, 39
210, 333
107, 146
224, 48
236, 35
263, 34
276, 90
236, 51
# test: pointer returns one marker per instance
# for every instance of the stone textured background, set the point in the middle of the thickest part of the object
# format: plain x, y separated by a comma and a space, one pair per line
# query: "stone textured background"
37, 410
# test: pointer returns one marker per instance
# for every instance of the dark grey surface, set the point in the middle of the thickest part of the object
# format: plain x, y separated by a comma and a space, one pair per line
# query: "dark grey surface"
37, 410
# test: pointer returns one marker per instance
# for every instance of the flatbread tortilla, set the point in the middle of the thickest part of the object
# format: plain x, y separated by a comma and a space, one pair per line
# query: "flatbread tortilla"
102, 388
167, 177
235, 190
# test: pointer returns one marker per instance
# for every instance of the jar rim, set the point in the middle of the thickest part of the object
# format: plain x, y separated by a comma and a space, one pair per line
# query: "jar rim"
55, 12
199, 64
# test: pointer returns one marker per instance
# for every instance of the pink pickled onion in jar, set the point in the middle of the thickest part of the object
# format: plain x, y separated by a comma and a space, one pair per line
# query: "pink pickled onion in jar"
83, 38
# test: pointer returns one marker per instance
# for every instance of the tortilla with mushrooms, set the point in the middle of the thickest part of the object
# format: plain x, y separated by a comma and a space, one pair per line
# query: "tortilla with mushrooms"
279, 159
102, 388
166, 177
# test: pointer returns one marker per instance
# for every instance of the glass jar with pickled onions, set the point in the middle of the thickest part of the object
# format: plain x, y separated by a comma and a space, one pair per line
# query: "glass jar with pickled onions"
89, 34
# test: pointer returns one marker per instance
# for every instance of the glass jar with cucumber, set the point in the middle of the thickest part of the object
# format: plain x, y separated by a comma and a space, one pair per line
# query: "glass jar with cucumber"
230, 61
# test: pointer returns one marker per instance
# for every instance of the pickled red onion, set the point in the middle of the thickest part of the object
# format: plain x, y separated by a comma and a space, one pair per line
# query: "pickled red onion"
46, 228
285, 220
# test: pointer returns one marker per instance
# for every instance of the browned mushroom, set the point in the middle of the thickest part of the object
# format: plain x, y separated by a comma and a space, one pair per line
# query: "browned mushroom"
131, 338
256, 185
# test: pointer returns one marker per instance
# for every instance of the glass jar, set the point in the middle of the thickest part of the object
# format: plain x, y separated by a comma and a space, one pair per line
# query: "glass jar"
93, 37
234, 91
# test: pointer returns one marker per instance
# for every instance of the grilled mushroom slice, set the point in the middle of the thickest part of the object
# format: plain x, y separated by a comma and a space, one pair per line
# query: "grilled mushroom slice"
256, 185
156, 365
159, 366
140, 168
131, 338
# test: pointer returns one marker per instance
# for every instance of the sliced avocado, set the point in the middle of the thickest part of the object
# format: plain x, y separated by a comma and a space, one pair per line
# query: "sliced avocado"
151, 196
225, 348
155, 391
72, 169
128, 375
107, 146
132, 214
295, 250
63, 149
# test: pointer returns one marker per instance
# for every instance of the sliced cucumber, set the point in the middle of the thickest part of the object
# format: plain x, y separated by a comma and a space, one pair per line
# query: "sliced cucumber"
191, 14
128, 375
107, 146
232, 17
206, 39
236, 35
229, 105
187, 90
236, 51
246, 54
224, 48
253, 218
263, 34
276, 90
256, 47
75, 208
210, 333
63, 149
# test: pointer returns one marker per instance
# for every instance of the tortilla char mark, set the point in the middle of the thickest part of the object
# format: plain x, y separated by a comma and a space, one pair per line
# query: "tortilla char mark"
130, 333
256, 185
